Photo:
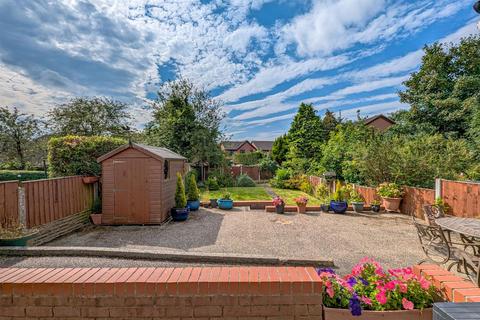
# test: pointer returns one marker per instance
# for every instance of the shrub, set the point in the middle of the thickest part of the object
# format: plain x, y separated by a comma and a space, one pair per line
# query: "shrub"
180, 198
281, 179
245, 181
356, 197
192, 189
389, 190
22, 175
305, 185
77, 155
224, 178
321, 191
212, 184
227, 196
268, 165
248, 158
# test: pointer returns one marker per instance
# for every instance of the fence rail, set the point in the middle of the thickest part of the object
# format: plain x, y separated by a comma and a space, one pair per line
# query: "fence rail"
463, 198
9, 203
52, 199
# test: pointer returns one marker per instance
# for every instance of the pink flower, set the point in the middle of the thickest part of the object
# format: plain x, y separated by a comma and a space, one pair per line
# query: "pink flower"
330, 292
407, 305
381, 297
366, 300
390, 285
424, 284
403, 287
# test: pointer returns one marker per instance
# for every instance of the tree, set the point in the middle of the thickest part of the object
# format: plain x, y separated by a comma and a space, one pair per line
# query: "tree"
329, 124
188, 121
17, 131
90, 117
441, 92
280, 149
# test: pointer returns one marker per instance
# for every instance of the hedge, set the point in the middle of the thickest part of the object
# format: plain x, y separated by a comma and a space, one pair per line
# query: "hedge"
22, 175
77, 155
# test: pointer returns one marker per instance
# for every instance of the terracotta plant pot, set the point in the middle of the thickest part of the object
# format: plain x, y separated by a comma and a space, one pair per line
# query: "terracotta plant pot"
96, 218
301, 208
345, 314
392, 204
89, 180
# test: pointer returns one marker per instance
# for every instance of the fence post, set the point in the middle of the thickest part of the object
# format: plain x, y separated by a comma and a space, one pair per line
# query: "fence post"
438, 188
22, 214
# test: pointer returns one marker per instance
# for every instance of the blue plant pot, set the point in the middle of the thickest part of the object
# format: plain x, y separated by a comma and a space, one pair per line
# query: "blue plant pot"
194, 205
338, 206
180, 214
225, 204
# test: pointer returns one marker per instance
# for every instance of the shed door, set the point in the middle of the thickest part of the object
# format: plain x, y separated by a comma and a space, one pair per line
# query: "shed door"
130, 191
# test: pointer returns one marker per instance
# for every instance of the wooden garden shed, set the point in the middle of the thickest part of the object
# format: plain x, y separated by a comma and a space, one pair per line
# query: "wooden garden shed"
138, 184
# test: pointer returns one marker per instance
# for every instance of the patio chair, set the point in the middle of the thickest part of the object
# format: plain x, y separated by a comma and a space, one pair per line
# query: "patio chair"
432, 213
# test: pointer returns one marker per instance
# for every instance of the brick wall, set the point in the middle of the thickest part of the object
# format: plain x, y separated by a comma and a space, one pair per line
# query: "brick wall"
161, 293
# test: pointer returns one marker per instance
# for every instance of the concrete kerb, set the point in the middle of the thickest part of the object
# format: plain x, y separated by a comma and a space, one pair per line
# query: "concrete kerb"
192, 257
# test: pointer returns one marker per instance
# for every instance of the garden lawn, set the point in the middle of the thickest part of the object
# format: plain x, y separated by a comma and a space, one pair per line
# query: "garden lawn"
237, 193
289, 195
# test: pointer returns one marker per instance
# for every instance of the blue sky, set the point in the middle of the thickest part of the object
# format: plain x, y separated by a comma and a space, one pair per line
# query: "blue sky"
262, 58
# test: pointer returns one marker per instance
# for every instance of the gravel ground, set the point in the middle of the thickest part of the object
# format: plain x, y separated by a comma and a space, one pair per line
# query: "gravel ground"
391, 239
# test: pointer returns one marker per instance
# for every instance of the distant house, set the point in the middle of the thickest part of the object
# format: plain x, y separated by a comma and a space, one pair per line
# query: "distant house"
232, 147
379, 122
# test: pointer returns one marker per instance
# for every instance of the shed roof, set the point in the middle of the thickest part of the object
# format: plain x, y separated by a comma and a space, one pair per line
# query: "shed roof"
155, 152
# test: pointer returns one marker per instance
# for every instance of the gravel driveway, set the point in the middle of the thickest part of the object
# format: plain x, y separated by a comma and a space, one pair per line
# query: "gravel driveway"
391, 239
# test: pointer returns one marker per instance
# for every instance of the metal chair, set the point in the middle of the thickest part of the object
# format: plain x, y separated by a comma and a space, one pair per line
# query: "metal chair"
433, 242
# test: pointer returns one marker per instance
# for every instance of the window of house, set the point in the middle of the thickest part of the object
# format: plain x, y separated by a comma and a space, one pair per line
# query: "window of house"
166, 169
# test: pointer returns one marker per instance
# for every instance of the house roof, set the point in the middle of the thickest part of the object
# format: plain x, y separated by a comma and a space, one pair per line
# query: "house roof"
155, 152
378, 116
263, 145
232, 145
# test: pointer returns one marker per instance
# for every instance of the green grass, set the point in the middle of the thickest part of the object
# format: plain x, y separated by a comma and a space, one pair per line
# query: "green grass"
237, 193
288, 195
23, 175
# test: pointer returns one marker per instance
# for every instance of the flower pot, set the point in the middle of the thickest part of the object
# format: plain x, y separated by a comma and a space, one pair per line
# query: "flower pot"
345, 314
225, 204
391, 204
180, 214
89, 180
325, 208
280, 209
375, 207
96, 218
339, 206
301, 208
194, 205
357, 206
213, 203
18, 242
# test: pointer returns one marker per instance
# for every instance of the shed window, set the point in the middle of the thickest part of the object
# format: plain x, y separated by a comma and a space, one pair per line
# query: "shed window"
166, 169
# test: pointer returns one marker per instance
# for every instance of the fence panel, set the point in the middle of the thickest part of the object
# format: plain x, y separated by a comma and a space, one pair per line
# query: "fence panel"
52, 199
414, 199
8, 203
463, 198
369, 194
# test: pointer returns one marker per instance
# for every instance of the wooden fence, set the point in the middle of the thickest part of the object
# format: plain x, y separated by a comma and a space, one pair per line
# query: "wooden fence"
52, 199
8, 203
253, 172
414, 199
463, 198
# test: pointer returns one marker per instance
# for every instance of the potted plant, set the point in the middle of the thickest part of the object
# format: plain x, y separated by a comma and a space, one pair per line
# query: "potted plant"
339, 202
89, 179
325, 204
213, 203
279, 205
369, 292
301, 204
226, 202
357, 201
375, 205
193, 195
181, 211
441, 207
16, 235
391, 195
96, 212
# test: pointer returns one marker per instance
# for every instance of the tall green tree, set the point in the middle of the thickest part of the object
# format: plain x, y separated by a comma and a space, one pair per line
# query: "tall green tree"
95, 116
445, 89
329, 124
280, 149
17, 132
188, 121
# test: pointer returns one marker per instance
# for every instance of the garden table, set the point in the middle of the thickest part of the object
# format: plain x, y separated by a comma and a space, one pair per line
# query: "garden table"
468, 230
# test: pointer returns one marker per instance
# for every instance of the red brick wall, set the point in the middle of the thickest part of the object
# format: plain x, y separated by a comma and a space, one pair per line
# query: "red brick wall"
161, 293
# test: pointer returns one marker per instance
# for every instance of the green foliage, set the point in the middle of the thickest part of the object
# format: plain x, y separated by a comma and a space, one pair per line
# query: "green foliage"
95, 116
305, 185
212, 184
188, 121
389, 190
268, 165
192, 190
22, 175
248, 158
322, 191
356, 197
280, 149
281, 177
77, 155
180, 198
17, 133
223, 178
245, 181
226, 196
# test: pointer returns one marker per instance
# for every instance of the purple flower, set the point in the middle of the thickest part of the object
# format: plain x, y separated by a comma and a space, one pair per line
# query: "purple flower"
365, 282
354, 305
327, 270
352, 281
